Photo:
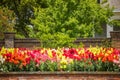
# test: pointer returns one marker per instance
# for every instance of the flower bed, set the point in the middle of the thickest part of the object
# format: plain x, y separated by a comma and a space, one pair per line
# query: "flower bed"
60, 59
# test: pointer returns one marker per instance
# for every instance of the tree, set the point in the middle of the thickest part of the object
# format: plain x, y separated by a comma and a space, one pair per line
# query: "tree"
71, 18
7, 20
23, 10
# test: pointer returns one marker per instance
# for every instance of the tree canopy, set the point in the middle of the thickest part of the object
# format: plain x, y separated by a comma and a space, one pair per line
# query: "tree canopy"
7, 20
23, 10
57, 21
69, 19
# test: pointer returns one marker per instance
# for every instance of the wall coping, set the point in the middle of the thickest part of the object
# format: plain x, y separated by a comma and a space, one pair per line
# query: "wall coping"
92, 40
27, 40
115, 31
60, 73
9, 32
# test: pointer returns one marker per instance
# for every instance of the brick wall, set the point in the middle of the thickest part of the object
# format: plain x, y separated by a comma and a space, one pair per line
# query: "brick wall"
60, 76
26, 43
114, 41
1, 42
30, 43
87, 42
10, 41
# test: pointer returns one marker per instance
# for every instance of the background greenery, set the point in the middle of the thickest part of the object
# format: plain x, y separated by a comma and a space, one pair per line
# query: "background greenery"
54, 22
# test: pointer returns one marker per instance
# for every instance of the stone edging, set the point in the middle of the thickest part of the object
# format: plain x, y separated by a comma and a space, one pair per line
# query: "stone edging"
60, 73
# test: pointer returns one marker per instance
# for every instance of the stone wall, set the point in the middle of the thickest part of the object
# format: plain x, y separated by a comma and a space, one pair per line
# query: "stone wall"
26, 43
60, 76
10, 41
115, 39
2, 43
87, 42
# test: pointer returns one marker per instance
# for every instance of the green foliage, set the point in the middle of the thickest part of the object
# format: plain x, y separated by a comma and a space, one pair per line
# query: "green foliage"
66, 20
23, 10
7, 20
106, 43
76, 18
48, 66
115, 23
10, 67
55, 40
84, 65
31, 66
104, 1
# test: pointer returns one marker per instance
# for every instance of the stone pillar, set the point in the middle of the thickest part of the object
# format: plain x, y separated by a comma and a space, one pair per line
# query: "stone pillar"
9, 39
115, 38
109, 29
